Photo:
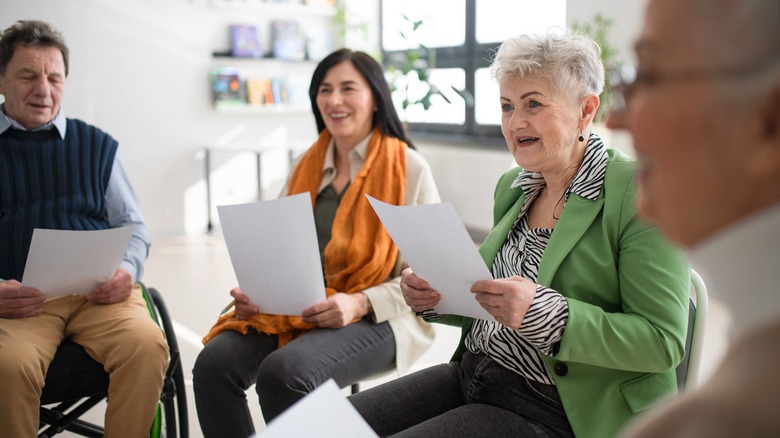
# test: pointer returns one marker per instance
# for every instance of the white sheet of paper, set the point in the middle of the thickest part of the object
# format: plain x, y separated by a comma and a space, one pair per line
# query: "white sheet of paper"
67, 262
274, 252
435, 243
323, 413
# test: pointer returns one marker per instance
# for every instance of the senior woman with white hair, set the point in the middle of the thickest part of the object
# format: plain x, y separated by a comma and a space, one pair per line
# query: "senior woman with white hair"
590, 303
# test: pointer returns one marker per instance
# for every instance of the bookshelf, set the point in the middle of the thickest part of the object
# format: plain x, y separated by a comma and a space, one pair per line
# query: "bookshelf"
275, 80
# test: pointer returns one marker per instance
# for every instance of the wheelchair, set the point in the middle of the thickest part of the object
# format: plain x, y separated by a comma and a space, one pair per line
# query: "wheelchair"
75, 383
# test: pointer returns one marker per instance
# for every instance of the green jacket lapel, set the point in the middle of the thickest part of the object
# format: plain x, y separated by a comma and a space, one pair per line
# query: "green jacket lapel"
578, 214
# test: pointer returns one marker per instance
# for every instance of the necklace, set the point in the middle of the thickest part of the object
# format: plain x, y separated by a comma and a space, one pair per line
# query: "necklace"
557, 204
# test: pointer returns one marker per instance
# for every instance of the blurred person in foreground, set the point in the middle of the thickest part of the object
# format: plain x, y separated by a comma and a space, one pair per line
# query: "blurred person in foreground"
590, 303
704, 112
363, 327
61, 173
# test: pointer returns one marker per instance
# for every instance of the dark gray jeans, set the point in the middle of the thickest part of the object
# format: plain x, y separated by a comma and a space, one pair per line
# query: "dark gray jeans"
231, 362
475, 397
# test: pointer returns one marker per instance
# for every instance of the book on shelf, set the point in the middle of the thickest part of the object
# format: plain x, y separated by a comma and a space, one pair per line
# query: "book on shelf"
227, 86
289, 42
231, 88
319, 42
279, 90
258, 91
245, 41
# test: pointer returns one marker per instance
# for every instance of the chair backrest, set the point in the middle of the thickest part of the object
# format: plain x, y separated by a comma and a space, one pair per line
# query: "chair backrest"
688, 370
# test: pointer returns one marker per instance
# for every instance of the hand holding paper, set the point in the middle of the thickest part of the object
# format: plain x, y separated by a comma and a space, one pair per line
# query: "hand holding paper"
437, 246
66, 262
274, 252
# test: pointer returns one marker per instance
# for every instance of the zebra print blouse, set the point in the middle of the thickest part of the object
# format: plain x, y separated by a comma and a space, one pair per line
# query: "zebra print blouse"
521, 253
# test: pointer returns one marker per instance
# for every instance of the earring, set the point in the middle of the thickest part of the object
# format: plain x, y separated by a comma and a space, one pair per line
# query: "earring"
581, 137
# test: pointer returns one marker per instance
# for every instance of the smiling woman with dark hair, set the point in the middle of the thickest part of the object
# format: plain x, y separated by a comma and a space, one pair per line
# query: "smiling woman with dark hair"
589, 303
363, 327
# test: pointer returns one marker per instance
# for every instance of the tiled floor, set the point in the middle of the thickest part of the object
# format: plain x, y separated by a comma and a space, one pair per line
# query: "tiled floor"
194, 275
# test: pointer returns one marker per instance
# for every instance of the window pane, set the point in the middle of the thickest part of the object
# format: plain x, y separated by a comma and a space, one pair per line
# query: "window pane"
497, 20
441, 111
487, 107
443, 23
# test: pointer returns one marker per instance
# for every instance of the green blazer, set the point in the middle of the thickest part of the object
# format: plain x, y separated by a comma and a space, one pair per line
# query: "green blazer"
627, 290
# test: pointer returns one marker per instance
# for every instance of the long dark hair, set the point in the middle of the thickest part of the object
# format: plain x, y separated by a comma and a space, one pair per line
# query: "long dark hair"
385, 117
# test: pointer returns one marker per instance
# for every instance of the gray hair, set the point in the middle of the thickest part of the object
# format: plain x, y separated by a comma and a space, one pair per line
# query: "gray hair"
745, 31
741, 35
572, 61
30, 33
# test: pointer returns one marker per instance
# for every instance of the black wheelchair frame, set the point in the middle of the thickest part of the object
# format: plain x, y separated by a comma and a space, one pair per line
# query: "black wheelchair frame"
76, 383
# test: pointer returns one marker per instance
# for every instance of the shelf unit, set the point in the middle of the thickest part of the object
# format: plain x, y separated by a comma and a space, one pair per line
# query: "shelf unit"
295, 73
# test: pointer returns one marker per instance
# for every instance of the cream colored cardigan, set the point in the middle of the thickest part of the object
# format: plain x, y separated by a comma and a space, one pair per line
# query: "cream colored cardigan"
412, 335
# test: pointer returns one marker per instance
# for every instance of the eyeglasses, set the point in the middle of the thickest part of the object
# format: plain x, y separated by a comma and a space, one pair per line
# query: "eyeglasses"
626, 80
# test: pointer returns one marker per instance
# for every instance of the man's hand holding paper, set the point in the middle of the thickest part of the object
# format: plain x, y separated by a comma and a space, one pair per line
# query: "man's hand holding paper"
68, 262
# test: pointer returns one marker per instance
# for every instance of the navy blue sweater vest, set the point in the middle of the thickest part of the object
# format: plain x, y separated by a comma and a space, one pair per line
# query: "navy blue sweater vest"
48, 182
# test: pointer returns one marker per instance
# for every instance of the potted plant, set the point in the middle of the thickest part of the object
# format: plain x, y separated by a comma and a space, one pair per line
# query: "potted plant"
597, 29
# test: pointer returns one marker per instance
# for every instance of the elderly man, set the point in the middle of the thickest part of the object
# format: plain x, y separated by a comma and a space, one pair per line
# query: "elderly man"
62, 173
704, 111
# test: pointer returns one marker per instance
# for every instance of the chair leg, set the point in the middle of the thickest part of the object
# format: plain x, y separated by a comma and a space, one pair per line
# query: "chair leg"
174, 376
59, 422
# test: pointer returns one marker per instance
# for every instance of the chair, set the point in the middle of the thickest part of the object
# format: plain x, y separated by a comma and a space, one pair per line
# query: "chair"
392, 373
75, 383
688, 370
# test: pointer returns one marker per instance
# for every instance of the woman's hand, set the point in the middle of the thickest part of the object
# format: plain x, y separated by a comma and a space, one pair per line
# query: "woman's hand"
336, 311
417, 292
507, 299
244, 310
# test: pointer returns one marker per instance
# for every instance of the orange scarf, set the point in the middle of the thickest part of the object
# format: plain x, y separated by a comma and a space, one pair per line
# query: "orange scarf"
360, 253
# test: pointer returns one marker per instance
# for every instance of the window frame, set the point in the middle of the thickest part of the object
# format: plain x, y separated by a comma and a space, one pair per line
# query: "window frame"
470, 57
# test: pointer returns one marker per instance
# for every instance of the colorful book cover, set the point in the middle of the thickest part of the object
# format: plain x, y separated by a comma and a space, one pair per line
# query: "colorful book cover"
289, 42
245, 41
258, 91
227, 86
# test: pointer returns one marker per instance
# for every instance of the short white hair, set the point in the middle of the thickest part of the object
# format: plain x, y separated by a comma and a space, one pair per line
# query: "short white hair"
571, 61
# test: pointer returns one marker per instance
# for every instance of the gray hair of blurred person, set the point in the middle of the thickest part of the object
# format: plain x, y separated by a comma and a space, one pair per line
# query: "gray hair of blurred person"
572, 61
740, 36
30, 33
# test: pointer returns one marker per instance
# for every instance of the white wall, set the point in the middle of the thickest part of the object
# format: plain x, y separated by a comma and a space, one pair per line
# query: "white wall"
139, 71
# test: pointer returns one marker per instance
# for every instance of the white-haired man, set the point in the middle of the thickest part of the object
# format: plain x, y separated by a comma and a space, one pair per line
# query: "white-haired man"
704, 112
